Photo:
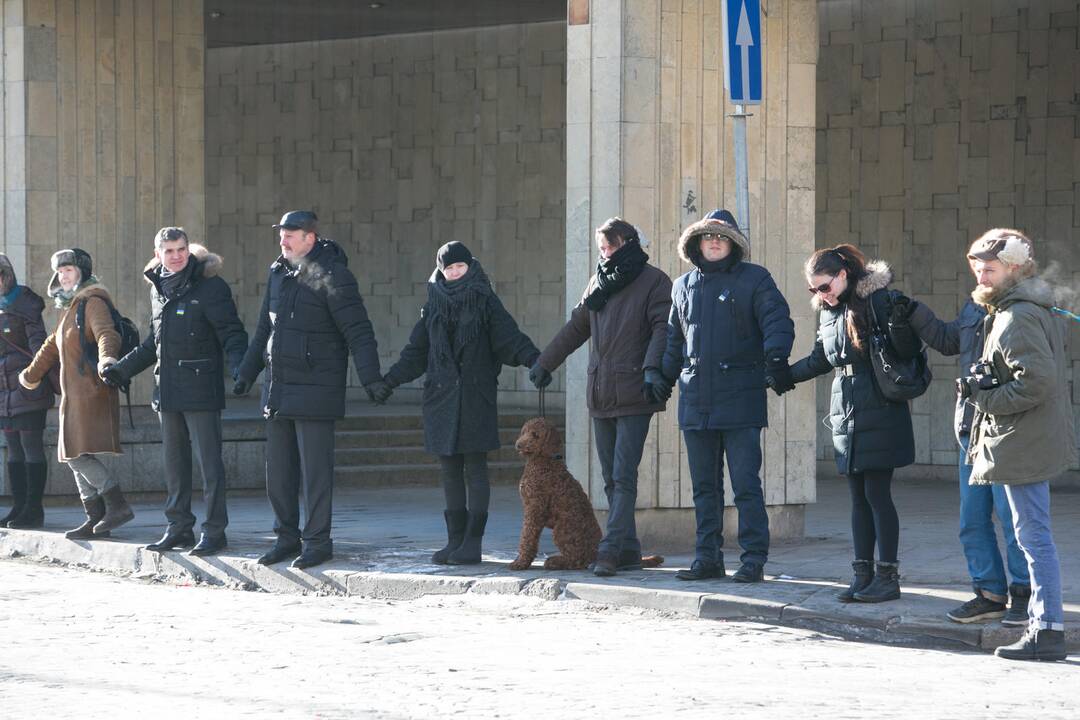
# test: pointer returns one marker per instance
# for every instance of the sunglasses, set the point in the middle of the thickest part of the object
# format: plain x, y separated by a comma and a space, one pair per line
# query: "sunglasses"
822, 288
712, 236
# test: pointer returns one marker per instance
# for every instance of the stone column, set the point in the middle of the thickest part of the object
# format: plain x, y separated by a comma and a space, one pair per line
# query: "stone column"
648, 139
102, 143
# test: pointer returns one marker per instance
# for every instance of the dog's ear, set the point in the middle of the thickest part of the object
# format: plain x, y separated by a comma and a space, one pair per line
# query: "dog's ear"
552, 441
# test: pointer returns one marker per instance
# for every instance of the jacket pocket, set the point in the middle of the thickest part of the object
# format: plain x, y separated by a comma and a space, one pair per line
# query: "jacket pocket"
203, 367
629, 385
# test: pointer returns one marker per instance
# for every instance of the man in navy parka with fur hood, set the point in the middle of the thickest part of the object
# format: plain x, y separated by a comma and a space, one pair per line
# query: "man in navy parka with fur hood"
729, 336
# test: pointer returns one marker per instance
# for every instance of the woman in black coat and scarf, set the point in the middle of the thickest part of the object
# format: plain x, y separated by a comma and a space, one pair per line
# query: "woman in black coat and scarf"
871, 435
22, 412
462, 340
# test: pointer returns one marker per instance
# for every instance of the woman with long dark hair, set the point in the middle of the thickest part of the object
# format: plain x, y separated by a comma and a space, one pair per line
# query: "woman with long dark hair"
22, 412
871, 435
462, 340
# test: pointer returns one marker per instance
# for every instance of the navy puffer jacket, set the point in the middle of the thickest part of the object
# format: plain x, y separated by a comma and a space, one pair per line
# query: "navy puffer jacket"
723, 325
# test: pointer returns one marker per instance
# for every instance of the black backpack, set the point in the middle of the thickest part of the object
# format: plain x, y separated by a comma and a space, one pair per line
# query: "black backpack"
129, 340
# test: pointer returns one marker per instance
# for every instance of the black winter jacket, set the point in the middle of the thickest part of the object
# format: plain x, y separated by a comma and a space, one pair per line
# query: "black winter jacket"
460, 410
21, 324
187, 337
869, 432
312, 317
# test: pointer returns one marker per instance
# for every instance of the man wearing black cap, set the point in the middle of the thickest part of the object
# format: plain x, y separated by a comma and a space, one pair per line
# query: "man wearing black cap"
729, 335
312, 317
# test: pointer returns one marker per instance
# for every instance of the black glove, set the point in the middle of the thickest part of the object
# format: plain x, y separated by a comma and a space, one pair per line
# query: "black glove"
902, 307
379, 391
539, 377
112, 377
778, 375
657, 387
241, 387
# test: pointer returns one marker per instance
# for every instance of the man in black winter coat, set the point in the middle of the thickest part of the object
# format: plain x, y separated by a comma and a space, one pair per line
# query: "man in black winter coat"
193, 320
730, 335
312, 317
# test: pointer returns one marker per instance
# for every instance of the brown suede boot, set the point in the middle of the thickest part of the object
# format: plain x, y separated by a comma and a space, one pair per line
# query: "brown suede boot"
117, 511
95, 510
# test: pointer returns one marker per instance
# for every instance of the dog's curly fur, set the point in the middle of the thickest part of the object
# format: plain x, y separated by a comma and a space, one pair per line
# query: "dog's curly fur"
552, 498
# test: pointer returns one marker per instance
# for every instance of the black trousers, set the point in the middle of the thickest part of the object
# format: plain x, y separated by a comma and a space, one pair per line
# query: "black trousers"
182, 433
300, 458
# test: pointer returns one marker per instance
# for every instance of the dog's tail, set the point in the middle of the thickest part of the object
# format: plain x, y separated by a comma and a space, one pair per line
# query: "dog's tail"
651, 561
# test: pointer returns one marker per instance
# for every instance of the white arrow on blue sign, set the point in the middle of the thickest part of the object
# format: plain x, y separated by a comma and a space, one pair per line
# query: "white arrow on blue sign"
742, 50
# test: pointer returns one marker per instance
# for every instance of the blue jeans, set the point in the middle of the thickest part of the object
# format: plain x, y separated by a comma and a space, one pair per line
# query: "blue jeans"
1031, 518
978, 505
620, 442
705, 450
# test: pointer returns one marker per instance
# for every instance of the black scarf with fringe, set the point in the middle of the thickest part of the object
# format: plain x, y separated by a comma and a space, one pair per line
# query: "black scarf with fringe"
459, 311
615, 273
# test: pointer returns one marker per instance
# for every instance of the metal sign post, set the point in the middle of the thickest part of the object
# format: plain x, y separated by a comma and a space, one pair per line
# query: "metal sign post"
742, 79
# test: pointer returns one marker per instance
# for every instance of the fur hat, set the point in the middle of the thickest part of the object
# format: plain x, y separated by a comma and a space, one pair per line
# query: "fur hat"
718, 222
74, 257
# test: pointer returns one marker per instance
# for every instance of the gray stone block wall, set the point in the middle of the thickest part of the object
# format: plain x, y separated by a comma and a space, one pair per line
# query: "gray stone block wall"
400, 144
935, 122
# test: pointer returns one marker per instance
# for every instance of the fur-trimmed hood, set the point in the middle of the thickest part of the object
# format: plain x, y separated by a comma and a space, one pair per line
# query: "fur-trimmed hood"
878, 276
710, 225
211, 262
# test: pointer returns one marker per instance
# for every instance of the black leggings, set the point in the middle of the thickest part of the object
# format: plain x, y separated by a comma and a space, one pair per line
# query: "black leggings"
873, 515
26, 446
455, 470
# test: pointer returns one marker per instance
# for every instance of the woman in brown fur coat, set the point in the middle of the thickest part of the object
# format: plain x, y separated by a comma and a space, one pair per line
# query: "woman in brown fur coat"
89, 409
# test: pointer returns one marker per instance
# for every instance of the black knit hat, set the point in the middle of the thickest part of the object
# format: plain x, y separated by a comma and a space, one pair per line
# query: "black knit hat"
453, 252
77, 258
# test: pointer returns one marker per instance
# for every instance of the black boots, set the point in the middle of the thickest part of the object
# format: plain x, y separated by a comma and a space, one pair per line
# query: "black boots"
33, 514
885, 585
864, 573
16, 472
95, 510
1036, 644
117, 511
469, 551
456, 520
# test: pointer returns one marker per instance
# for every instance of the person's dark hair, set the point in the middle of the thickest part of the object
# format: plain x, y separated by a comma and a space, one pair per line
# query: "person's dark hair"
617, 231
830, 261
169, 234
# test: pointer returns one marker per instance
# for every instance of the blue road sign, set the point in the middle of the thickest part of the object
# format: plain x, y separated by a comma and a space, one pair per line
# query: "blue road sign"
742, 50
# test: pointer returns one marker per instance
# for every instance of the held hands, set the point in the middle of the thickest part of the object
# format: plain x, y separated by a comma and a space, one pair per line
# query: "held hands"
109, 374
241, 387
902, 307
778, 375
539, 377
379, 391
657, 387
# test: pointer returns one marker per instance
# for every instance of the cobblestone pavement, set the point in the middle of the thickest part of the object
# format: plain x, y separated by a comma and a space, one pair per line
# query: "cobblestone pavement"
80, 644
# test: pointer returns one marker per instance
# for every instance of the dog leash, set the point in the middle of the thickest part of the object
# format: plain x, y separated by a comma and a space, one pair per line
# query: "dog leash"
542, 404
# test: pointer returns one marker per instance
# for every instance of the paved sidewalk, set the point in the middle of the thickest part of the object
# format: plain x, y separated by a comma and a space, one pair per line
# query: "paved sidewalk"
383, 538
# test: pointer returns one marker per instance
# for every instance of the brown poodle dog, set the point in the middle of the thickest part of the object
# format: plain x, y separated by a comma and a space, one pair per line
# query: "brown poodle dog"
552, 498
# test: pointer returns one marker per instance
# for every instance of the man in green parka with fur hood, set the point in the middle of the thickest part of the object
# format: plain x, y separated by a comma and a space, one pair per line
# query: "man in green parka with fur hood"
1022, 432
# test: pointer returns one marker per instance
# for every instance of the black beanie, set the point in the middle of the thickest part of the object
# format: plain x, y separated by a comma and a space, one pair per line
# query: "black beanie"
452, 252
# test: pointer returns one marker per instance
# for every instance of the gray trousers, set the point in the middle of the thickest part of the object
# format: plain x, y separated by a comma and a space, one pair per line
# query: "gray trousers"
91, 476
300, 458
620, 442
181, 433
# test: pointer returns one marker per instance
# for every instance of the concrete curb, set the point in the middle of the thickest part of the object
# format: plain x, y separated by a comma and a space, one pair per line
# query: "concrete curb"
789, 603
